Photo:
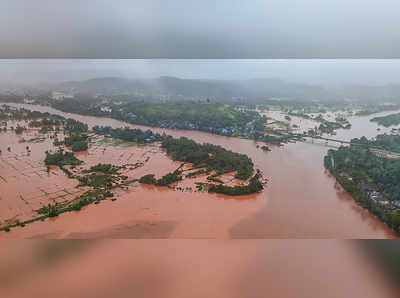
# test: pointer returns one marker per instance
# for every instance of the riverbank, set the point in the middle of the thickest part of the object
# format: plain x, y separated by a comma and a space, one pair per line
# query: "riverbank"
371, 179
302, 199
98, 181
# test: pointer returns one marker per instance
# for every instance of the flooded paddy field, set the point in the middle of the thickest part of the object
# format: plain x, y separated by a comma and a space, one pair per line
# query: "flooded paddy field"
27, 185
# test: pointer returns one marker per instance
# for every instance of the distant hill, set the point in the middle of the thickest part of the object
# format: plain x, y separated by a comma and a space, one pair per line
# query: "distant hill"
176, 88
256, 90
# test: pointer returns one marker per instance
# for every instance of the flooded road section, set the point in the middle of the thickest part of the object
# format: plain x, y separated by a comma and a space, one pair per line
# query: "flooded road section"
301, 199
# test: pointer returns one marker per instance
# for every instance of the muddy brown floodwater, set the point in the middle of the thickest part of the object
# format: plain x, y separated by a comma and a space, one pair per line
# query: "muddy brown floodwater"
189, 269
301, 200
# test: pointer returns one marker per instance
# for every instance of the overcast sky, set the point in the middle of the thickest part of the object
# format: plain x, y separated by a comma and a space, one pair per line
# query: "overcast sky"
199, 29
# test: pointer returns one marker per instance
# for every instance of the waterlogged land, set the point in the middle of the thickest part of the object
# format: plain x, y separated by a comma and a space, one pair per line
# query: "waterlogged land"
310, 123
226, 171
302, 200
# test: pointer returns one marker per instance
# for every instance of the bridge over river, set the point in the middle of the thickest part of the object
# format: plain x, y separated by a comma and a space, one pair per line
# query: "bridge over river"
376, 150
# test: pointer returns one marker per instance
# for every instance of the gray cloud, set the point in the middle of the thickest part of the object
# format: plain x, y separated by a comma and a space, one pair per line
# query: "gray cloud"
199, 29
313, 71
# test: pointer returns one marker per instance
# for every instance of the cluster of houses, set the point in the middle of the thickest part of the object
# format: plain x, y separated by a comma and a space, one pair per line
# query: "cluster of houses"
105, 109
377, 197
150, 139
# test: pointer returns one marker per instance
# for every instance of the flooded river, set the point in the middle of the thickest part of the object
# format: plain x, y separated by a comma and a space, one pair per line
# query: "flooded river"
189, 268
301, 200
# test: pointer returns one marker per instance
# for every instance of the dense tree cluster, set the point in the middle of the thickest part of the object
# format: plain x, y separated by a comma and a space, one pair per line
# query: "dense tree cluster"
104, 168
382, 141
164, 180
211, 117
61, 159
129, 134
98, 180
204, 116
361, 164
373, 108
19, 130
84, 105
389, 120
198, 172
210, 156
358, 169
77, 142
254, 186
74, 126
79, 146
148, 179
169, 178
45, 122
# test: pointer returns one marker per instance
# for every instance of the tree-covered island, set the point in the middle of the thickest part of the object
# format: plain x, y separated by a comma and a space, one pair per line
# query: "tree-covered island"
209, 158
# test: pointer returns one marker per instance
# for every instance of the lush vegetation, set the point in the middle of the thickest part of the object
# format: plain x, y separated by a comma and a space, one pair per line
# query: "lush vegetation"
45, 122
88, 197
83, 105
128, 134
169, 178
254, 186
61, 158
389, 120
99, 180
77, 142
79, 146
19, 130
74, 126
148, 179
196, 173
383, 141
69, 141
164, 180
194, 115
104, 168
373, 108
209, 156
212, 117
102, 176
373, 181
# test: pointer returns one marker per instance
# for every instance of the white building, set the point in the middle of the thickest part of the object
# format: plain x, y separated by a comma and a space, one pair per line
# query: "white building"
57, 95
